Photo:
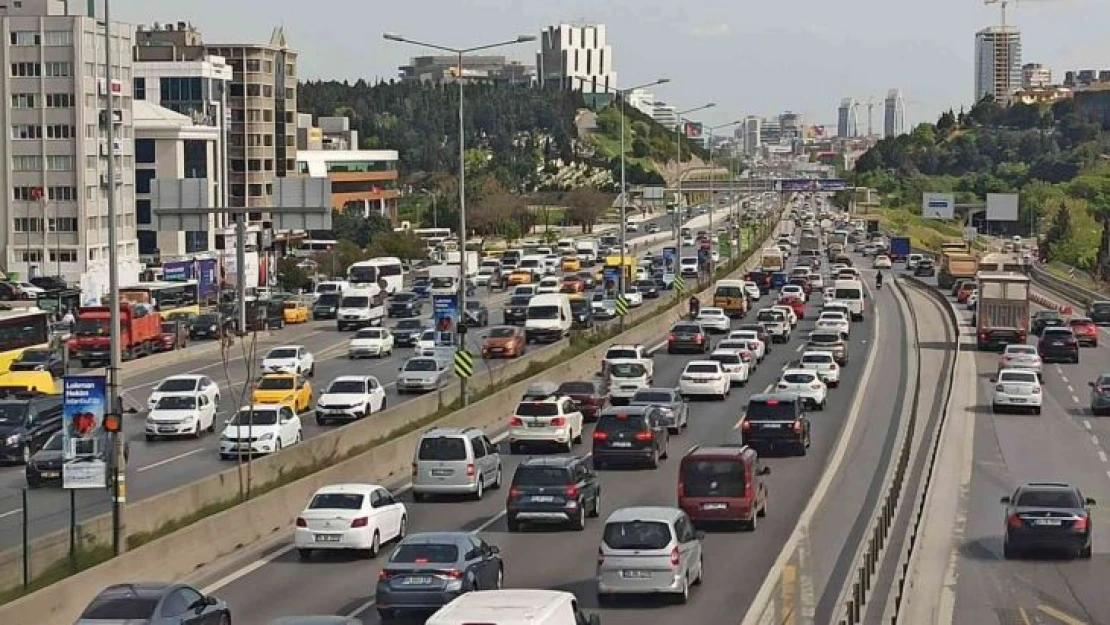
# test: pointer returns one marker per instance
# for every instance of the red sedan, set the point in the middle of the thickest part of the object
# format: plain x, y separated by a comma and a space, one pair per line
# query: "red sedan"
1085, 331
796, 304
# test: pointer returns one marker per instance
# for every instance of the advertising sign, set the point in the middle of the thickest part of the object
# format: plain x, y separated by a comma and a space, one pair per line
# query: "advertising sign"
807, 184
693, 130
938, 205
670, 257
84, 441
177, 271
611, 277
1002, 206
445, 310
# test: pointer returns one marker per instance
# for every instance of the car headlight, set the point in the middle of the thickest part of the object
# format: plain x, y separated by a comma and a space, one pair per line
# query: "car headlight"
212, 329
12, 440
267, 436
190, 418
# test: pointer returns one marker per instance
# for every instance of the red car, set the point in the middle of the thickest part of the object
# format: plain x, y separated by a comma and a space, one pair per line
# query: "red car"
1085, 331
175, 335
796, 304
804, 283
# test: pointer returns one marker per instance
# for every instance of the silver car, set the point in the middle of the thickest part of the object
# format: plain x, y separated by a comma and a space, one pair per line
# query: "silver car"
455, 461
649, 550
1021, 357
422, 374
669, 401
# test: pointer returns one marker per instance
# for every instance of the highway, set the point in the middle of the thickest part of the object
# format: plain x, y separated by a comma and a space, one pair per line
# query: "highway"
736, 563
155, 467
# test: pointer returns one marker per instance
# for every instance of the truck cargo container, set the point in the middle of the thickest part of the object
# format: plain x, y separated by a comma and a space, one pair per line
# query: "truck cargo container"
1002, 313
954, 266
899, 249
140, 333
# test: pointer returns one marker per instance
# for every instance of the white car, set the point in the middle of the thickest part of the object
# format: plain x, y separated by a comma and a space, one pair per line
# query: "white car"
912, 260
634, 296
549, 284
882, 261
631, 227
816, 281
704, 377
713, 319
777, 324
32, 291
791, 316
260, 429
553, 421
185, 384
793, 290
828, 293
350, 397
624, 377
805, 384
551, 263
1021, 357
376, 342
755, 344
425, 344
289, 359
834, 320
715, 256
751, 289
1017, 389
188, 414
356, 517
734, 365
825, 366
687, 241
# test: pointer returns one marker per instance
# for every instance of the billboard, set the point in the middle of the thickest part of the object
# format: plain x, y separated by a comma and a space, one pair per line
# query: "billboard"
1002, 206
445, 311
693, 130
938, 205
84, 441
808, 184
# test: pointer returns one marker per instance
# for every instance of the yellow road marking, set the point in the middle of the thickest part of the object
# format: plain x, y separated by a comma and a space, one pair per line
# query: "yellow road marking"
1059, 615
789, 577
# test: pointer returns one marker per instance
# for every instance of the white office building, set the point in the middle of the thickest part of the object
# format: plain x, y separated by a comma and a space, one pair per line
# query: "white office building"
642, 100
665, 115
576, 58
751, 131
847, 118
54, 189
1035, 76
997, 62
894, 113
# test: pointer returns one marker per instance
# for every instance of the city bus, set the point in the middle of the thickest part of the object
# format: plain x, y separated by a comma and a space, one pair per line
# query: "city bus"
309, 248
371, 273
166, 297
434, 237
19, 330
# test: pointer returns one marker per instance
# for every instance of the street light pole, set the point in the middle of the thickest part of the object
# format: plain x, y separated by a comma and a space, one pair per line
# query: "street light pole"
678, 186
460, 52
712, 172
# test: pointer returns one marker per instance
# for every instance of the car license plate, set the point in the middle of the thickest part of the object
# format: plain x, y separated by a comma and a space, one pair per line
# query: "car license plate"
1017, 400
167, 430
1047, 522
771, 426
622, 444
327, 538
50, 474
1057, 343
421, 580
441, 472
543, 498
714, 506
636, 574
537, 424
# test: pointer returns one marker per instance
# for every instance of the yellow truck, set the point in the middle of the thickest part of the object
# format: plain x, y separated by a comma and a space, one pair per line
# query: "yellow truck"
954, 266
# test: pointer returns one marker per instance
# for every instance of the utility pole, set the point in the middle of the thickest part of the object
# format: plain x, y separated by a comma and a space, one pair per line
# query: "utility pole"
680, 133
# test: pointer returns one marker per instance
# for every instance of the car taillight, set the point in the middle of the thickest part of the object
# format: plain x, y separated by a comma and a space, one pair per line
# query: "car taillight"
681, 490
1014, 521
671, 338
515, 493
301, 522
797, 427
515, 422
601, 436
470, 470
414, 469
745, 425
450, 573
360, 522
558, 422
572, 492
1000, 388
983, 336
676, 557
1021, 336
383, 575
815, 386
644, 436
1080, 524
1037, 390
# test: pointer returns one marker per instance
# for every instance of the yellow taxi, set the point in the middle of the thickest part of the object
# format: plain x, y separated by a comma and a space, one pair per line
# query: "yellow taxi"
295, 312
286, 389
520, 277
571, 264
28, 382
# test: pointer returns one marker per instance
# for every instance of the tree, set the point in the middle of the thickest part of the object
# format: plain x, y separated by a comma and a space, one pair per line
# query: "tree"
947, 122
403, 245
291, 276
495, 212
351, 225
585, 205
1060, 228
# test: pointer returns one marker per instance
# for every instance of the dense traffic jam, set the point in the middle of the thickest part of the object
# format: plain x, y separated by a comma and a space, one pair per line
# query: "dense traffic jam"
573, 440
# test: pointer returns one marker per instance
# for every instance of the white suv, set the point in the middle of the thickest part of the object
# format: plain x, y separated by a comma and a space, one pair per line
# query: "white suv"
806, 384
550, 421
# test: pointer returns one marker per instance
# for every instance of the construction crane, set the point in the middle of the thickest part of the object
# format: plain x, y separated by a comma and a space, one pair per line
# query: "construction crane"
1004, 4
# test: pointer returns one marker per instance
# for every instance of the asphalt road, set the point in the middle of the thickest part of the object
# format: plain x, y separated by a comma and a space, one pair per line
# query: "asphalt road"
1065, 443
736, 563
155, 467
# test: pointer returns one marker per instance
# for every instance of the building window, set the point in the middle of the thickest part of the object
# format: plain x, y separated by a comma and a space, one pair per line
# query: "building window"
59, 162
27, 163
139, 88
267, 115
268, 140
61, 131
62, 194
255, 140
62, 224
59, 100
144, 151
58, 38
267, 91
26, 70
142, 180
142, 212
255, 190
196, 241
237, 165
290, 93
195, 157
254, 164
148, 242
30, 256
23, 100
26, 131
254, 91
27, 224
236, 190
268, 164
59, 69
24, 38
63, 256
22, 194
236, 90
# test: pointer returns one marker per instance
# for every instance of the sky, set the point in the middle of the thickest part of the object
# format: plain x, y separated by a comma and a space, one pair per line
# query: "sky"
749, 58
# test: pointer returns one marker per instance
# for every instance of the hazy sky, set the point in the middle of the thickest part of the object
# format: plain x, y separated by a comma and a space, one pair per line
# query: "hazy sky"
749, 57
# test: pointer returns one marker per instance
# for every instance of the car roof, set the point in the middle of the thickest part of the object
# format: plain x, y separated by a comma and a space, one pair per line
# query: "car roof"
286, 347
183, 376
261, 407
764, 397
431, 538
798, 370
644, 513
141, 589
702, 362
559, 462
813, 352
630, 410
351, 378
364, 489
717, 451
448, 431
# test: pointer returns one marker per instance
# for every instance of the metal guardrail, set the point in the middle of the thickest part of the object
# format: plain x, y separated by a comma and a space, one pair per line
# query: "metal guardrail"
1069, 291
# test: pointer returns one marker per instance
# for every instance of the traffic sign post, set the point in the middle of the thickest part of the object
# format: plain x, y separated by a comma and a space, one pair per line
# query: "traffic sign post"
679, 283
464, 364
622, 305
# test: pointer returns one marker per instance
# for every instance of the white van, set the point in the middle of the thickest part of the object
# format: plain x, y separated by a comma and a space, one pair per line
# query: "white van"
549, 318
329, 286
850, 293
587, 252
516, 606
534, 263
359, 308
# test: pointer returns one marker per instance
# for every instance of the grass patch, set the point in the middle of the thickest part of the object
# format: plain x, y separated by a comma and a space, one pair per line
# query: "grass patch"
927, 234
87, 556
1079, 278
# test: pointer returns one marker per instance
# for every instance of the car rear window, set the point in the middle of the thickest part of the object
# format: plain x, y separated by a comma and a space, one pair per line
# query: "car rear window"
120, 608
798, 378
425, 553
817, 358
702, 368
652, 397
442, 448
728, 359
712, 478
576, 388
1018, 376
336, 501
1048, 499
612, 423
824, 339
541, 476
686, 330
637, 535
537, 409
772, 410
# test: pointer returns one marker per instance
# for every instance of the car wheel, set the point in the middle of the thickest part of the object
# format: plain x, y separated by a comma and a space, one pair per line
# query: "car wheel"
26, 454
512, 524
1008, 552
683, 597
994, 409
375, 546
752, 524
304, 554
404, 529
578, 523
653, 463
498, 479
516, 448
480, 487
595, 510
763, 509
385, 614
1036, 410
701, 571
1085, 552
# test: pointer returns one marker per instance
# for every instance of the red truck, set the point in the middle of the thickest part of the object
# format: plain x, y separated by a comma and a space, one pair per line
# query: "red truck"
140, 333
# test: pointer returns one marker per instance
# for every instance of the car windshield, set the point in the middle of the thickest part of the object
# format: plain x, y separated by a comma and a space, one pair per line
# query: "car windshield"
424, 553
421, 364
357, 301
13, 413
652, 397
357, 387
54, 443
276, 383
336, 501
204, 320
769, 315
1020, 377
260, 417
442, 448
1100, 307
501, 333
576, 388
1048, 499
731, 344
281, 353
177, 385
541, 476
771, 410
328, 299
403, 297
35, 355
428, 335
798, 378
176, 402
640, 535
627, 370
370, 333
819, 359
1057, 333
543, 312
727, 359
120, 608
702, 368
537, 409
712, 478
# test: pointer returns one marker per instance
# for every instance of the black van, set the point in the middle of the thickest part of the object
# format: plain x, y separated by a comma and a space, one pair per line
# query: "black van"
774, 420
27, 420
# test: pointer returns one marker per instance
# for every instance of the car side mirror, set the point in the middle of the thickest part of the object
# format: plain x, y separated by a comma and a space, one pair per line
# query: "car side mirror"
765, 471
1091, 502
1004, 501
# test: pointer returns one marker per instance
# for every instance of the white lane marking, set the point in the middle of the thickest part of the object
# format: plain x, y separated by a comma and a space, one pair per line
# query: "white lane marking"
658, 346
1094, 439
801, 347
1059, 370
1075, 399
166, 461
1064, 379
1087, 424
10, 513
1071, 389
1102, 455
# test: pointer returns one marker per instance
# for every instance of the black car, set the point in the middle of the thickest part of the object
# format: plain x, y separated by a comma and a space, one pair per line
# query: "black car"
688, 337
413, 579
776, 420
516, 311
208, 326
40, 359
630, 435
405, 304
26, 422
1046, 319
325, 306
45, 466
925, 268
155, 603
477, 315
648, 288
582, 312
1099, 312
407, 331
553, 489
587, 396
1059, 345
1047, 515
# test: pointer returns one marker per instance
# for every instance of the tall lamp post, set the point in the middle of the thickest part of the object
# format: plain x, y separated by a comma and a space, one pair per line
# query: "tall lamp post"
678, 197
459, 53
712, 200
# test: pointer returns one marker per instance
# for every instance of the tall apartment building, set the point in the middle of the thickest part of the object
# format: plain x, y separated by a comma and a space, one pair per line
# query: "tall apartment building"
174, 71
665, 115
642, 100
55, 185
1035, 76
847, 118
894, 113
752, 134
577, 58
997, 62
475, 68
792, 126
